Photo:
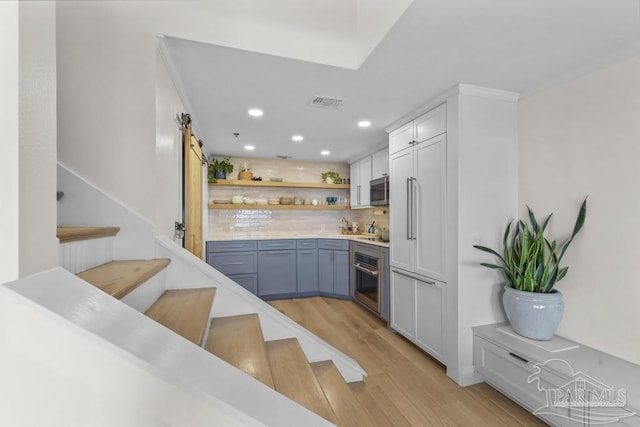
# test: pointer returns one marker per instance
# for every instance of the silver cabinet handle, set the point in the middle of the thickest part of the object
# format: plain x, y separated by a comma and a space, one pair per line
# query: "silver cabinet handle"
414, 276
408, 208
232, 263
358, 194
276, 252
413, 209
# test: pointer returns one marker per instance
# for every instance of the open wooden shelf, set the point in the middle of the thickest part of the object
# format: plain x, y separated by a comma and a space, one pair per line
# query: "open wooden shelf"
280, 207
266, 183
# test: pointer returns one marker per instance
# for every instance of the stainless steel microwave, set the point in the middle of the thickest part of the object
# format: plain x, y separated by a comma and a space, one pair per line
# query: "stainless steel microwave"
380, 191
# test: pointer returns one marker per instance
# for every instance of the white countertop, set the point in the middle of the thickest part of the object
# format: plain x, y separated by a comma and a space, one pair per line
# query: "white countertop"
273, 236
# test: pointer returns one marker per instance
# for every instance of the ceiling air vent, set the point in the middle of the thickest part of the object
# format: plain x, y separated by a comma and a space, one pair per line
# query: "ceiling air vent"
326, 102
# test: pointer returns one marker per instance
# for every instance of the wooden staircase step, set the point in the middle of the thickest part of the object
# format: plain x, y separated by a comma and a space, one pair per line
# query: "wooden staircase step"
238, 340
118, 278
184, 311
344, 403
73, 234
293, 377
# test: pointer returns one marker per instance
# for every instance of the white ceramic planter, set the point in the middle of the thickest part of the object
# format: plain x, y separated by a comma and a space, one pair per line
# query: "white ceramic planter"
532, 314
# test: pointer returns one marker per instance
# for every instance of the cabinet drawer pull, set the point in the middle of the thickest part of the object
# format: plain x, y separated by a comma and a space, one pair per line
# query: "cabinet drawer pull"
306, 252
413, 276
232, 263
520, 358
277, 252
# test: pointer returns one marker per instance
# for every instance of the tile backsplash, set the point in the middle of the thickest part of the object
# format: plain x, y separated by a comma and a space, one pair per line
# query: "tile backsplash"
254, 223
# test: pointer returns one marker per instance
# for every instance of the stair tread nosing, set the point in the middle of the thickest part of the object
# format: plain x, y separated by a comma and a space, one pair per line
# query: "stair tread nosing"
344, 403
293, 377
184, 311
73, 234
238, 340
118, 278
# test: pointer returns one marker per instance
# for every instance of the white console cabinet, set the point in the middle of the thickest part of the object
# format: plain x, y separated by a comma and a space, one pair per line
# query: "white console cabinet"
562, 382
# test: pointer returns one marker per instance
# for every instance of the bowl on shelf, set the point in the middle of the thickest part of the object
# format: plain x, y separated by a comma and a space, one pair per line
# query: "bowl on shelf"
274, 201
237, 200
275, 179
286, 200
249, 200
261, 201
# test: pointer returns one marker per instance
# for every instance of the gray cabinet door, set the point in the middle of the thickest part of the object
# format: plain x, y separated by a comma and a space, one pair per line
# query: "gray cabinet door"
247, 281
325, 270
333, 272
276, 272
341, 273
307, 263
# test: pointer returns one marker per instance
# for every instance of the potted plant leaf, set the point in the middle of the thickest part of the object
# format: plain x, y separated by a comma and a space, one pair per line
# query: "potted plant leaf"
530, 263
219, 169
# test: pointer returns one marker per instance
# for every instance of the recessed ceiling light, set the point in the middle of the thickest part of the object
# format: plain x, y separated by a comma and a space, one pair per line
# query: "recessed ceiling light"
297, 138
249, 147
364, 123
255, 112
325, 152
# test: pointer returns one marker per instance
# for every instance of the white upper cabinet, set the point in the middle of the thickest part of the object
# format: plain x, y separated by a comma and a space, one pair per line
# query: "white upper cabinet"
360, 180
427, 126
401, 138
380, 164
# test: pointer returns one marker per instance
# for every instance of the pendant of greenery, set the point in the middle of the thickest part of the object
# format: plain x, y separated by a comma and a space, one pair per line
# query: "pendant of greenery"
530, 262
335, 177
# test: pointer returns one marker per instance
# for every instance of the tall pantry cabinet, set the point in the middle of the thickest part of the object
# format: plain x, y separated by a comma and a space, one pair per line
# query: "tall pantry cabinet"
453, 184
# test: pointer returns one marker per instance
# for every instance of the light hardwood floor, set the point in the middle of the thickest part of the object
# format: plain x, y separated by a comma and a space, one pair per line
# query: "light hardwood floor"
404, 387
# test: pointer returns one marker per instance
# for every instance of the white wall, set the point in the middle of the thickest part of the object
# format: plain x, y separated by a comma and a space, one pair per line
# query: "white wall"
9, 123
37, 163
107, 63
583, 138
168, 152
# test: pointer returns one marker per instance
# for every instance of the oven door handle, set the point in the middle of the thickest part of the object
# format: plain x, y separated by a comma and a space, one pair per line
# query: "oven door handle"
357, 266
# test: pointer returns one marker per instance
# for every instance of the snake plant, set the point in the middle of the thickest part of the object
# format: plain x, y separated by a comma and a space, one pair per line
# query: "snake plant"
530, 262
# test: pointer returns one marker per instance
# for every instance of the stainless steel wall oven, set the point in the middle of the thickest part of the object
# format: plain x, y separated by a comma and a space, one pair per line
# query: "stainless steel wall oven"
367, 280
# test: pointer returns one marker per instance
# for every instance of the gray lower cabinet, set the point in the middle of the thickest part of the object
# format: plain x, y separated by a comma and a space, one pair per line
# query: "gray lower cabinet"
237, 260
285, 268
333, 267
307, 267
277, 268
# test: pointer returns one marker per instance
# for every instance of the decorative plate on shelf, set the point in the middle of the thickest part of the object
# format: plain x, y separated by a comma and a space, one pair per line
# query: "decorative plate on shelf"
222, 202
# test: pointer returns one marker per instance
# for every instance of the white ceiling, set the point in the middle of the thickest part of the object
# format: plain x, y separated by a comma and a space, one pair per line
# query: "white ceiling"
505, 44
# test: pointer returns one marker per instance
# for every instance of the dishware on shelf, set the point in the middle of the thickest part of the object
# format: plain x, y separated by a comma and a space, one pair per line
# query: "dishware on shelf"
274, 201
261, 201
237, 200
286, 201
314, 202
331, 200
249, 200
275, 179
222, 202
